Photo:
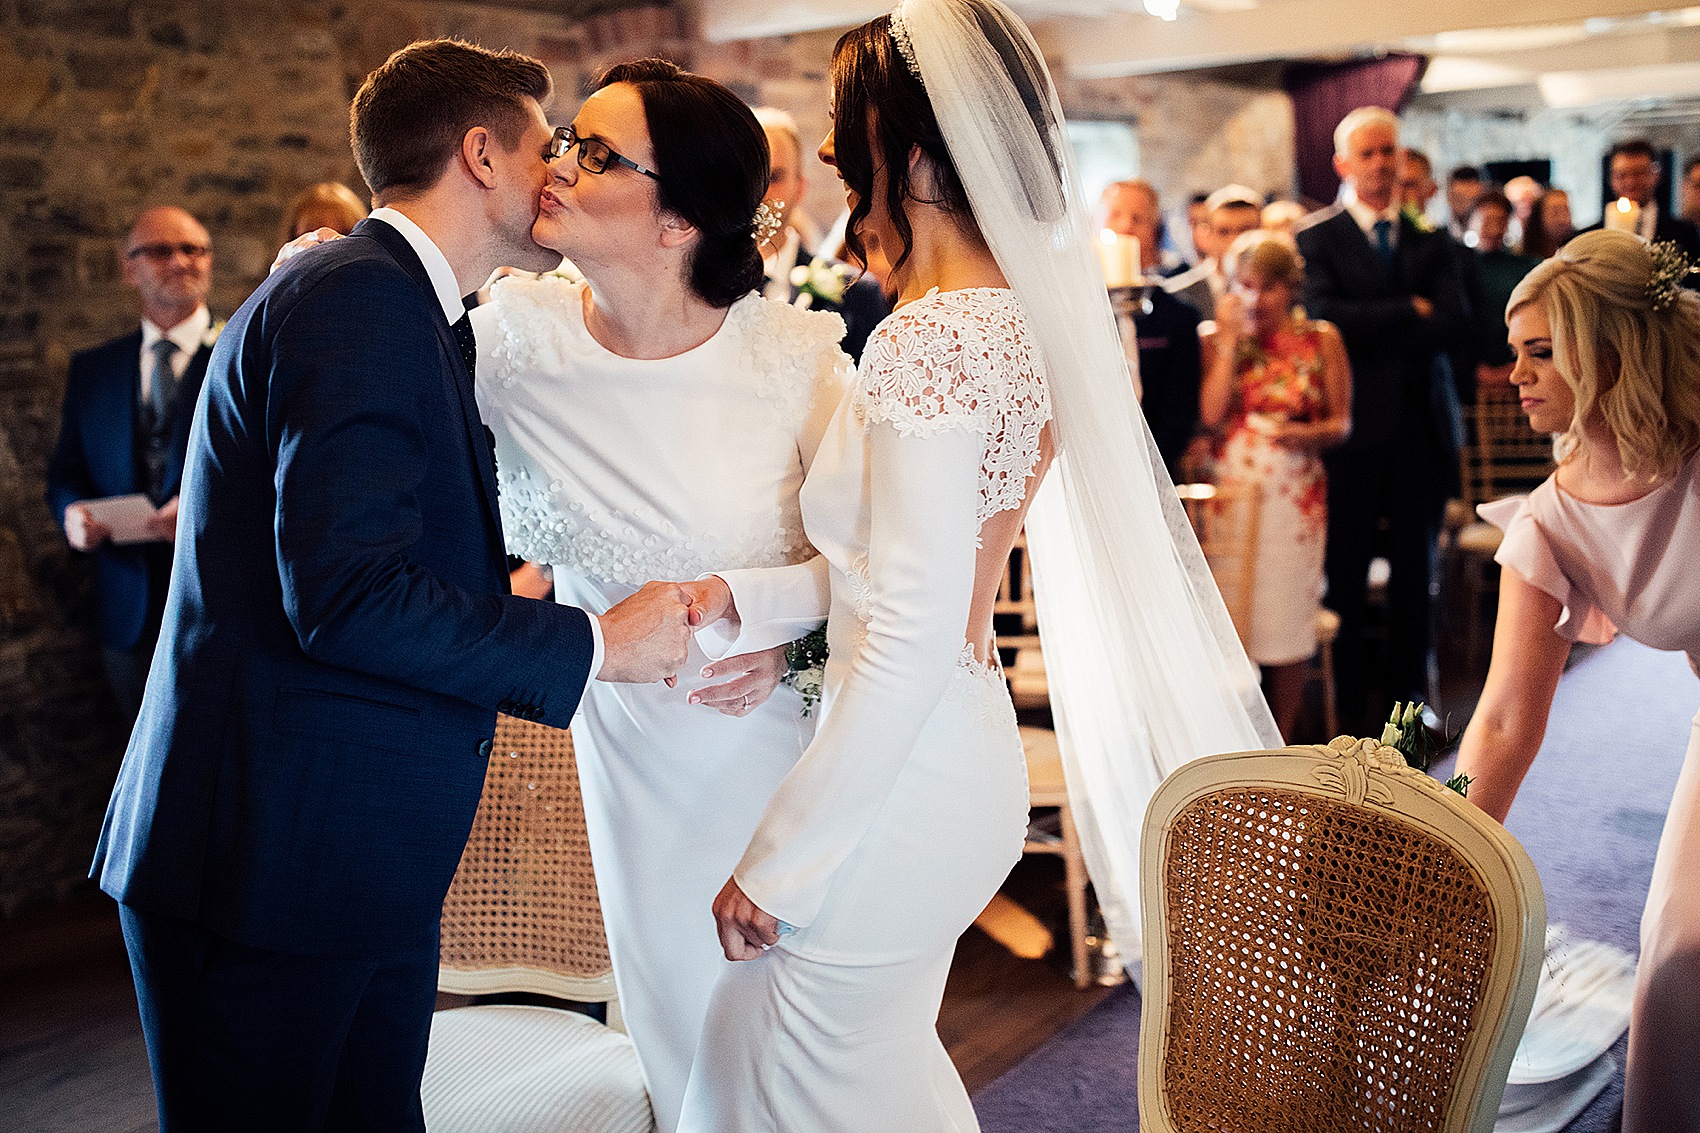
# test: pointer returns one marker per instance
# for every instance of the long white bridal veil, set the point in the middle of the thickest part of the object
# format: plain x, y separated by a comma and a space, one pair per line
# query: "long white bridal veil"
1145, 670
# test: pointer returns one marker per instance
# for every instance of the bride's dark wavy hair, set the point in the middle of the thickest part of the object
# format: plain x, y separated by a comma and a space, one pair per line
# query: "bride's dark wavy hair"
711, 162
868, 72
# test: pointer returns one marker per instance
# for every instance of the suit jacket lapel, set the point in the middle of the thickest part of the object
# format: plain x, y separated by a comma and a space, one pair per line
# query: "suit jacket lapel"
477, 435
114, 414
183, 417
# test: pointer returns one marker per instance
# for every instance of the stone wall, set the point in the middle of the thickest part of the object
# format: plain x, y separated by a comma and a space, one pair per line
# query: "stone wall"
228, 107
1196, 135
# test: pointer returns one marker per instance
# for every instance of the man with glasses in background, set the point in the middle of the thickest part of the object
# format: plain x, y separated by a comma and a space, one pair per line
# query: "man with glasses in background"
128, 403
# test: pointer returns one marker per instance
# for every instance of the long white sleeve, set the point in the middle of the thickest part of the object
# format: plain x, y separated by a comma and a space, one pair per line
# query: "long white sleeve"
924, 494
775, 605
779, 605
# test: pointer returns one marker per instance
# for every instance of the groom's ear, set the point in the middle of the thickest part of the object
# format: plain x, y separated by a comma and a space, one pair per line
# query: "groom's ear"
676, 231
477, 147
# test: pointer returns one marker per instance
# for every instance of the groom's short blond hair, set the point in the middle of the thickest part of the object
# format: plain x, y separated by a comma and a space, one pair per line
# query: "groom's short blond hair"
410, 115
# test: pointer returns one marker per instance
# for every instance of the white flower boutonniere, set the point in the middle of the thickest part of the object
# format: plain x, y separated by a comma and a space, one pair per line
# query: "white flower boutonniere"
821, 279
213, 332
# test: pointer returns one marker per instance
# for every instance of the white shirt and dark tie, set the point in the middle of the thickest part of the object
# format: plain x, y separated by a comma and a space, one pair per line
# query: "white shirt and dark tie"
1380, 227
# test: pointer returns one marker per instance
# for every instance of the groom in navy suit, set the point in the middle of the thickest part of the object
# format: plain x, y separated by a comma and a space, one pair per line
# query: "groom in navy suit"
339, 637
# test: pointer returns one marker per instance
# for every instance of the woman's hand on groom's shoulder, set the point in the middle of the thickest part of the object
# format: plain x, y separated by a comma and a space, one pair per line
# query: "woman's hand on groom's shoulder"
301, 243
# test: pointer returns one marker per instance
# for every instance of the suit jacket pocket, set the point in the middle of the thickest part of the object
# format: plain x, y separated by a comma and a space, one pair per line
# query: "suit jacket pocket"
347, 719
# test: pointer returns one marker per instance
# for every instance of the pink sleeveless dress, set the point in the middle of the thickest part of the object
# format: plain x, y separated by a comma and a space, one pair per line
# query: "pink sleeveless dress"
1634, 568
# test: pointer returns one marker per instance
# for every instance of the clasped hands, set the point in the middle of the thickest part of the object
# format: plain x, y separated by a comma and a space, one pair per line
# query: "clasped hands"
646, 638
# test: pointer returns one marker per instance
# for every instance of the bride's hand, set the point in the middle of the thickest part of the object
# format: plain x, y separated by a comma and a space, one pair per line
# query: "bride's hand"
710, 599
301, 244
753, 677
745, 931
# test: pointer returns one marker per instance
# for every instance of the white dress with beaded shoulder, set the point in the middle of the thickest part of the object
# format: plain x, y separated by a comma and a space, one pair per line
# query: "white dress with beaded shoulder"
910, 806
615, 471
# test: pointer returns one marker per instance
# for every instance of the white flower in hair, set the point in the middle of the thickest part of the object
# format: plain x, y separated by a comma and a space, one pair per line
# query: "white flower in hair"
767, 222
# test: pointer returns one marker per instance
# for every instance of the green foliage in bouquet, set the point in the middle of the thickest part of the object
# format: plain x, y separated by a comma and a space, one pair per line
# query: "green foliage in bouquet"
805, 659
1405, 731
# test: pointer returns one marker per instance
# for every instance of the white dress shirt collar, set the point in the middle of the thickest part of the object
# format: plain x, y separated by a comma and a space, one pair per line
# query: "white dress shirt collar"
437, 267
1367, 216
189, 335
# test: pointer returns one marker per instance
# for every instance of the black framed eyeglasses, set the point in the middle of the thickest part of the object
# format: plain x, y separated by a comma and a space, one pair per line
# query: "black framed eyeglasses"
594, 156
166, 251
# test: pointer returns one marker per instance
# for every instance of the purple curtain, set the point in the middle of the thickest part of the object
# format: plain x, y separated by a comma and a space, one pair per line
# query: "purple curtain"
1324, 93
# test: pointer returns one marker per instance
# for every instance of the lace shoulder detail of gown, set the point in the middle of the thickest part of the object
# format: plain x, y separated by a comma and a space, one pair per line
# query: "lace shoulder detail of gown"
789, 358
962, 360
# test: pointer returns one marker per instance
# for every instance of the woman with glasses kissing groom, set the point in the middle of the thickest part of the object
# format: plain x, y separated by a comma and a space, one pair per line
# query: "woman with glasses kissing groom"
655, 421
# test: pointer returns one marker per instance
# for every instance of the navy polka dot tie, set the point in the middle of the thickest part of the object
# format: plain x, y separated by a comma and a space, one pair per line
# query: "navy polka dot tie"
468, 344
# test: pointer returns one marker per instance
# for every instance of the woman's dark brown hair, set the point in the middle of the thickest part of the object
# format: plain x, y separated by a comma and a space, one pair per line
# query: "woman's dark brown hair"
410, 115
868, 72
882, 113
711, 162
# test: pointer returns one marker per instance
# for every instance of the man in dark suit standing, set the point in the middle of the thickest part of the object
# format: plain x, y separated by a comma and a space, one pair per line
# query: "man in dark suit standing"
125, 428
1166, 334
1633, 170
339, 636
859, 300
1392, 290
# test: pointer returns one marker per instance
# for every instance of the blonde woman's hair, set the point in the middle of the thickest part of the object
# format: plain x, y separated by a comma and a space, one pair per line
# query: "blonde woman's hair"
1270, 256
1638, 368
326, 197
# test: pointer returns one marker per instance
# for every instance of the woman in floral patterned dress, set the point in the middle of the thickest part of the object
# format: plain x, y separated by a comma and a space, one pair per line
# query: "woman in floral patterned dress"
1282, 385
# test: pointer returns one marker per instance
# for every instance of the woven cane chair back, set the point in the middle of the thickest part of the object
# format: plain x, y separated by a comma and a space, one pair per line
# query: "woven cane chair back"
1504, 457
1225, 519
1333, 942
522, 913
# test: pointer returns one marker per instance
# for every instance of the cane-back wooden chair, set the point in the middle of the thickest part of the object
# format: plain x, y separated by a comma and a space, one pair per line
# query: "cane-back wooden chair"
1333, 942
523, 916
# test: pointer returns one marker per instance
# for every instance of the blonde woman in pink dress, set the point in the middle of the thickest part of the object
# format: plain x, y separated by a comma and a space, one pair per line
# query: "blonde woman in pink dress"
1608, 358
1283, 386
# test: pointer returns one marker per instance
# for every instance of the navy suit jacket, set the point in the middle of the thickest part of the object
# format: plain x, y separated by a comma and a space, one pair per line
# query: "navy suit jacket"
862, 307
339, 633
1405, 404
96, 457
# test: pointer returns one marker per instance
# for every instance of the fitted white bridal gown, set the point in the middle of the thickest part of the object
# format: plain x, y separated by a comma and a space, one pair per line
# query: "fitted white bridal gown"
910, 806
615, 471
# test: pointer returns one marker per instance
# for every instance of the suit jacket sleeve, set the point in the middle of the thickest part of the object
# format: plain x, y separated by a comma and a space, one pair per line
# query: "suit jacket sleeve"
353, 416
68, 478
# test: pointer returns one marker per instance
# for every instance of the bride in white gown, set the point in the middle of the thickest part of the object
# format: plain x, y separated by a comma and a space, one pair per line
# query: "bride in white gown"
909, 806
657, 421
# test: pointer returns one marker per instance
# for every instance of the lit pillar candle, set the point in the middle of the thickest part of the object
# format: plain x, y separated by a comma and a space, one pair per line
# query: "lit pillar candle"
1624, 215
1118, 255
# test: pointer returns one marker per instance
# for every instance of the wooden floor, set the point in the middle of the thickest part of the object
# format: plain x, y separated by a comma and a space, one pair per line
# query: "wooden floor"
72, 1060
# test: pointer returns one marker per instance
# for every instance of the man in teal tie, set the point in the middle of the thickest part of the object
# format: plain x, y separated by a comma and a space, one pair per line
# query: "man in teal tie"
125, 430
1392, 288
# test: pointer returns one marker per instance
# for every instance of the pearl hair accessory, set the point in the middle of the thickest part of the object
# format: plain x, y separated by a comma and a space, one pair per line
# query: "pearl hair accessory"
767, 222
900, 38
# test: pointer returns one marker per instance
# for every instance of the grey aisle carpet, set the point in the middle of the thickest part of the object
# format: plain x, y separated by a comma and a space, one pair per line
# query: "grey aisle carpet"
1589, 814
